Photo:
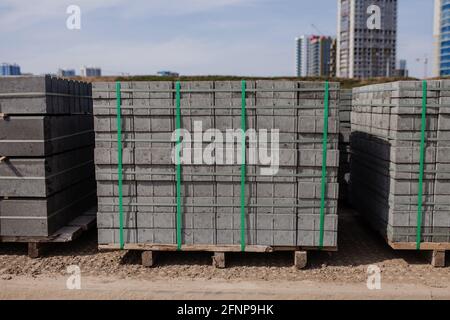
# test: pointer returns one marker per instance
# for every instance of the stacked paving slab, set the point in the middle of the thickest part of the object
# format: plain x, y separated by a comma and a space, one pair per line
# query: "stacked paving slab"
281, 210
385, 143
345, 108
47, 173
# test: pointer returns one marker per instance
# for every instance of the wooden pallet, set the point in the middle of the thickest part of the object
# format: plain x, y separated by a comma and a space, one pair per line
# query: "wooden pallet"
436, 251
69, 233
150, 251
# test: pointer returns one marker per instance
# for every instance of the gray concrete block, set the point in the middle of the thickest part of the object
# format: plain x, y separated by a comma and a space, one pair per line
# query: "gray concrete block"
38, 136
50, 96
111, 220
211, 194
46, 207
233, 237
44, 226
276, 237
112, 236
41, 177
312, 239
386, 151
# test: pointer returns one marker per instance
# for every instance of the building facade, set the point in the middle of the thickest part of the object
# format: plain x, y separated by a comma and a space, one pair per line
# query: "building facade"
166, 73
442, 38
7, 69
333, 62
402, 69
313, 55
91, 72
301, 55
66, 73
365, 50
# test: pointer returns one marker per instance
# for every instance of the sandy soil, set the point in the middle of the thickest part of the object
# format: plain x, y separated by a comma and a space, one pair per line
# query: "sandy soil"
113, 288
110, 275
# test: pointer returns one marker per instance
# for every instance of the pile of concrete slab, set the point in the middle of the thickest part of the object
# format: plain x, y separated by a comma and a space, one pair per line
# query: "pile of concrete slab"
385, 143
281, 209
345, 108
47, 175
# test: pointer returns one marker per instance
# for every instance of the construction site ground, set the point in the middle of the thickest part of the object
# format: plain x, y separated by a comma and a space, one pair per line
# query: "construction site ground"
189, 275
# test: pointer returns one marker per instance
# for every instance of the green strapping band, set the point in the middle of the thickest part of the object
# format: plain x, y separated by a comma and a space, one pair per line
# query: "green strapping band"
422, 164
119, 160
178, 164
324, 164
243, 164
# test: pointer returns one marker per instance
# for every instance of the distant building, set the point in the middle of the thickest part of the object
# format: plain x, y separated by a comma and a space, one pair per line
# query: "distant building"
442, 38
364, 52
402, 70
90, 72
313, 54
167, 74
333, 61
319, 59
66, 73
7, 69
301, 55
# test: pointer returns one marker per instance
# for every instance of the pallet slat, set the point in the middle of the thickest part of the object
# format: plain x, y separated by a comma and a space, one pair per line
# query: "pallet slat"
207, 248
425, 246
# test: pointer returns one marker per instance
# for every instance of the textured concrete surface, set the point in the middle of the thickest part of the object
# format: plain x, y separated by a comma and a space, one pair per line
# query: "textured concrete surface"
385, 141
290, 200
47, 139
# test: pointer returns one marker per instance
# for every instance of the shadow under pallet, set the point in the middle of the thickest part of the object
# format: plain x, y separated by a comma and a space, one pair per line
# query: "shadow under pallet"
150, 251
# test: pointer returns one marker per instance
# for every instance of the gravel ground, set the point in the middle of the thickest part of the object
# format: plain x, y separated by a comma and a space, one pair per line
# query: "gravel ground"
359, 247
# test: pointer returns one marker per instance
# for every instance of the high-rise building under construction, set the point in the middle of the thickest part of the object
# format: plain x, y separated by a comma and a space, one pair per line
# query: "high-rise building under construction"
313, 55
366, 38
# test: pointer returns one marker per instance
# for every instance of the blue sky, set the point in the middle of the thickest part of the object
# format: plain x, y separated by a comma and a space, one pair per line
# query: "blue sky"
233, 37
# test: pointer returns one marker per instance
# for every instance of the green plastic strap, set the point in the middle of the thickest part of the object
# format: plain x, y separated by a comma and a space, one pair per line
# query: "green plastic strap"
119, 159
178, 164
243, 164
324, 164
422, 164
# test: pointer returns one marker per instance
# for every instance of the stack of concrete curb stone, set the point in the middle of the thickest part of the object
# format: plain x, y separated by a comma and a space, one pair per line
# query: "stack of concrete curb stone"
281, 210
47, 175
345, 108
385, 143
